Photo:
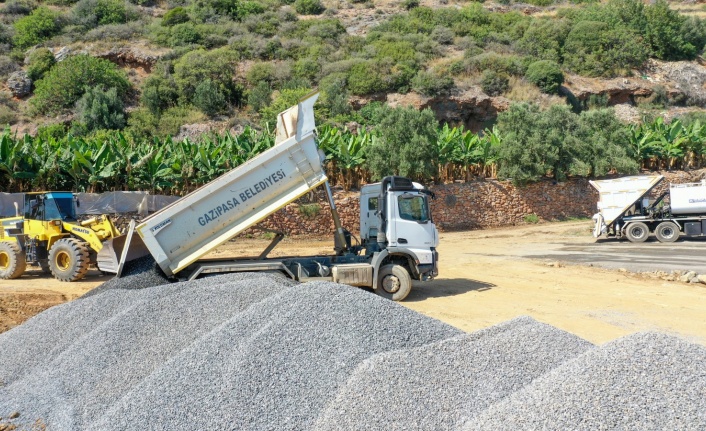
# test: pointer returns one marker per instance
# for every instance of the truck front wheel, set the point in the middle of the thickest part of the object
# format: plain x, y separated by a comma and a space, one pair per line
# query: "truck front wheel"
637, 232
667, 232
394, 282
68, 259
12, 260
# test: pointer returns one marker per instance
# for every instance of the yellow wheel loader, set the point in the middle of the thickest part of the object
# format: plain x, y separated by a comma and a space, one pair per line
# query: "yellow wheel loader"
48, 235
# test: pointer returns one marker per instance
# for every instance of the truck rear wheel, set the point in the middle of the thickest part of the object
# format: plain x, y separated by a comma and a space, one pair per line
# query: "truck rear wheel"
68, 259
637, 232
12, 260
667, 231
394, 282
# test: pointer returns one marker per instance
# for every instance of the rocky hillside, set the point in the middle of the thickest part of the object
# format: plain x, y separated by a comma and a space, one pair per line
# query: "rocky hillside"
191, 66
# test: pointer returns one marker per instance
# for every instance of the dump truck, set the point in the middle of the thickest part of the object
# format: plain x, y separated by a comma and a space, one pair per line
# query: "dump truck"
625, 209
398, 237
48, 235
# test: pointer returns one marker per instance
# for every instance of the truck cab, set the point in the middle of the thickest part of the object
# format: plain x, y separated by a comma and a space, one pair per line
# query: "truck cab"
395, 216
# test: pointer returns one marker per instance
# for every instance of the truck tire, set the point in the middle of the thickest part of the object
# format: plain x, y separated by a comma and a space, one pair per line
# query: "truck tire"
667, 231
12, 260
68, 259
394, 282
637, 232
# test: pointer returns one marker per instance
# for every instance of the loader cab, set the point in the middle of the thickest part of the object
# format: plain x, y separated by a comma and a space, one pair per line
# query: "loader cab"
50, 206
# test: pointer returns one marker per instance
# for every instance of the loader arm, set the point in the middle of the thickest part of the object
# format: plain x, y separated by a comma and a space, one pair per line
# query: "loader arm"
95, 231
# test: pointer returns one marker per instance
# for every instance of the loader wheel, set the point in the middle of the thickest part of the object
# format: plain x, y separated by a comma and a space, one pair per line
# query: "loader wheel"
394, 282
44, 265
12, 260
667, 232
637, 232
68, 259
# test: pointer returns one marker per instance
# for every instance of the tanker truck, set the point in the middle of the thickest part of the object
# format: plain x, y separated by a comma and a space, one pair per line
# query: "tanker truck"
398, 238
625, 209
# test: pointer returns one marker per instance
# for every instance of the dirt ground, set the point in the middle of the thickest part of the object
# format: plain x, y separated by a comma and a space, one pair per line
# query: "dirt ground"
485, 279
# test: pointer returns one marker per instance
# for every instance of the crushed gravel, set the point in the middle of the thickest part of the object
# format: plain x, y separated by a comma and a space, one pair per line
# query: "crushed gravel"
275, 365
137, 274
440, 385
260, 352
646, 381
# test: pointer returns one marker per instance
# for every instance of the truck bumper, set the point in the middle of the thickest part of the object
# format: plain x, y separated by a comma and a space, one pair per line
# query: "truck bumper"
429, 271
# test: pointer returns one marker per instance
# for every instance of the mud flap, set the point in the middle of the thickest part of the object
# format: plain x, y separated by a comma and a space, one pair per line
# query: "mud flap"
114, 253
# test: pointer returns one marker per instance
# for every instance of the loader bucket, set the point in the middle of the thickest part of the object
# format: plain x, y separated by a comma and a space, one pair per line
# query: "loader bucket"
108, 259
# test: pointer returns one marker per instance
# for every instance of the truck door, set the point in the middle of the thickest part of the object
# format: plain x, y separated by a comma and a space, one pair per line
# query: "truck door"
369, 221
412, 227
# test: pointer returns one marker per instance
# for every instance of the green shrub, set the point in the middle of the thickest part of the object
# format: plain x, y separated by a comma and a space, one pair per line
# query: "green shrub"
184, 34
175, 16
510, 64
307, 68
309, 7
40, 25
592, 48
260, 96
406, 144
198, 65
159, 92
100, 109
7, 66
143, 125
531, 218
39, 62
117, 32
309, 210
259, 72
431, 84
559, 143
18, 7
334, 95
209, 99
8, 116
65, 83
366, 78
663, 33
546, 75
544, 39
92, 13
494, 83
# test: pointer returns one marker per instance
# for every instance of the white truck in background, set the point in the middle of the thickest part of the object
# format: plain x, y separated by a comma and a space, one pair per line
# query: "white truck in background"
398, 237
625, 210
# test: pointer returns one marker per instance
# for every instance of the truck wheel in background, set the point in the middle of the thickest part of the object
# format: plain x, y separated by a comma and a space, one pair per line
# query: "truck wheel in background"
12, 260
68, 259
667, 231
394, 282
637, 232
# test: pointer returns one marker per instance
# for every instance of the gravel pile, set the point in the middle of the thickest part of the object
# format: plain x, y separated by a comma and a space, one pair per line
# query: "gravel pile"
274, 366
137, 274
74, 386
259, 352
645, 381
440, 385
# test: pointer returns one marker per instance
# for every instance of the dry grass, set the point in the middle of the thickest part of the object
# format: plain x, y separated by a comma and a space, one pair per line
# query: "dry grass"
523, 91
696, 9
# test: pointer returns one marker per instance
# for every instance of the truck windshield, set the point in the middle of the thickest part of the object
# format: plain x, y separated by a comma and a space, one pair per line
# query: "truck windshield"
413, 207
61, 208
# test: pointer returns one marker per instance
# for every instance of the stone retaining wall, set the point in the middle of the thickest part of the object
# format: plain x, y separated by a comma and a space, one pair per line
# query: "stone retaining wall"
473, 205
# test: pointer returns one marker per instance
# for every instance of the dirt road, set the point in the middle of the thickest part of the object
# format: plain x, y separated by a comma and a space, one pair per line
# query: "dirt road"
488, 277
